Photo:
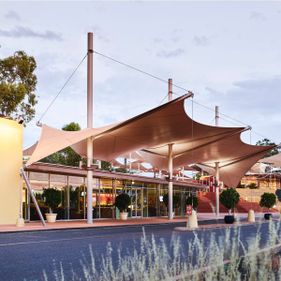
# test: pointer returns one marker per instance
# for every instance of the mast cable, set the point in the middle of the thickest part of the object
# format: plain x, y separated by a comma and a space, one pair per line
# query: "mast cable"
139, 70
227, 117
66, 82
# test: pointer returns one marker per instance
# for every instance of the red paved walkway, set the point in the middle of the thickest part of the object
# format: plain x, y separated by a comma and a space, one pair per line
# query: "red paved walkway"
59, 225
29, 226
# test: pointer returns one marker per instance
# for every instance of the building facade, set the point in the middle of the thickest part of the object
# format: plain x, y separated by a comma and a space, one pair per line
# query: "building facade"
253, 185
146, 193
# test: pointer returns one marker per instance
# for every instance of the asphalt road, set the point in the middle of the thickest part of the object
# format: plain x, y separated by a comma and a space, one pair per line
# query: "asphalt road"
25, 255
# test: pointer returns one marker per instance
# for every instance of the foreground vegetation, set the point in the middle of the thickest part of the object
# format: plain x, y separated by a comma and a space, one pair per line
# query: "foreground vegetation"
200, 260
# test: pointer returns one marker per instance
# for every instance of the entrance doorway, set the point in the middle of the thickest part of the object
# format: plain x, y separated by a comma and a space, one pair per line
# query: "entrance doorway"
136, 202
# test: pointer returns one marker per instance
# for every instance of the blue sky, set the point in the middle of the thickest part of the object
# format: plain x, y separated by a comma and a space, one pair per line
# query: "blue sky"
227, 53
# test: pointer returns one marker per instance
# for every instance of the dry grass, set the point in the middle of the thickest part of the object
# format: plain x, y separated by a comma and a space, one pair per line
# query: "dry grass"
199, 261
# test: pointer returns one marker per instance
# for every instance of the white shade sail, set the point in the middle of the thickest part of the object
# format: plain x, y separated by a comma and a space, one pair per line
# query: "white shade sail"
275, 160
148, 135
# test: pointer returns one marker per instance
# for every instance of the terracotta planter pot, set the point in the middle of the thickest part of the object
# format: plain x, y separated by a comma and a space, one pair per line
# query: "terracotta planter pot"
123, 216
51, 218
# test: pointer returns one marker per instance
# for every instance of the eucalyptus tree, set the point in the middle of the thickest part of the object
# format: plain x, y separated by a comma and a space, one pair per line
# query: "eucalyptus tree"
17, 86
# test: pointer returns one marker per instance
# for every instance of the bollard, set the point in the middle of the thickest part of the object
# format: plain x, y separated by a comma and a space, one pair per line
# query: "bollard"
20, 222
192, 222
251, 216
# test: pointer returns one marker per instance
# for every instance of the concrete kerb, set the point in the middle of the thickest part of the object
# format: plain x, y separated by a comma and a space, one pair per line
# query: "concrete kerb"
203, 224
53, 228
222, 225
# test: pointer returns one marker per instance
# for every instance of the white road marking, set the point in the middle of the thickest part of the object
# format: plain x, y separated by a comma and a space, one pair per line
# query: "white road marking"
55, 240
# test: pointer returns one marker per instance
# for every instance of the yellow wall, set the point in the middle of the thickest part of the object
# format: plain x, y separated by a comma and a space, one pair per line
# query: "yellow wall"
10, 164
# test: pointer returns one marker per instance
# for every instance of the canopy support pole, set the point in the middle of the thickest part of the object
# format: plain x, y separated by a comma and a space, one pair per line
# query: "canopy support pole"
170, 160
217, 190
217, 169
22, 173
170, 89
90, 125
217, 115
170, 184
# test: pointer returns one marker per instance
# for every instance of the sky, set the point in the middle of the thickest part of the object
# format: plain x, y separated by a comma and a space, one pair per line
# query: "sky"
227, 53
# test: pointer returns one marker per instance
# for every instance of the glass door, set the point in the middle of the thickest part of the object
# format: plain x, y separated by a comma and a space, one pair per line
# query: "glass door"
136, 202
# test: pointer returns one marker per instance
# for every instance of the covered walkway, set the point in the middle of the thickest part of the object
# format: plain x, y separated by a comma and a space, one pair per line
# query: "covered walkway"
167, 138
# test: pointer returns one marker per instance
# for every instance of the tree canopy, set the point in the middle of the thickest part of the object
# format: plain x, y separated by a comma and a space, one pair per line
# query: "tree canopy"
72, 126
17, 86
122, 202
52, 198
268, 200
105, 165
266, 142
229, 198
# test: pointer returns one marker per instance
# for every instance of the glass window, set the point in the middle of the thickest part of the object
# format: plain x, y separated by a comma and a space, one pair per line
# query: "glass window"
151, 202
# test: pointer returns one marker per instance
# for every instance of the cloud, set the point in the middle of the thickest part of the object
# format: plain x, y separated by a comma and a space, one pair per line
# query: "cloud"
269, 85
258, 95
257, 16
173, 37
253, 101
213, 91
21, 31
170, 54
158, 40
176, 35
12, 15
100, 34
201, 41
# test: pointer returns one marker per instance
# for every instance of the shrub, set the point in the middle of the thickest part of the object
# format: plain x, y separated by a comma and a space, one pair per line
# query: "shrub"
52, 198
252, 185
122, 202
204, 257
229, 198
268, 200
192, 200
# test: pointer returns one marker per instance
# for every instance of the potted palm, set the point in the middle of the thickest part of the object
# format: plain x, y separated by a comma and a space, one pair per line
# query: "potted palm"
268, 200
52, 198
229, 199
122, 202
